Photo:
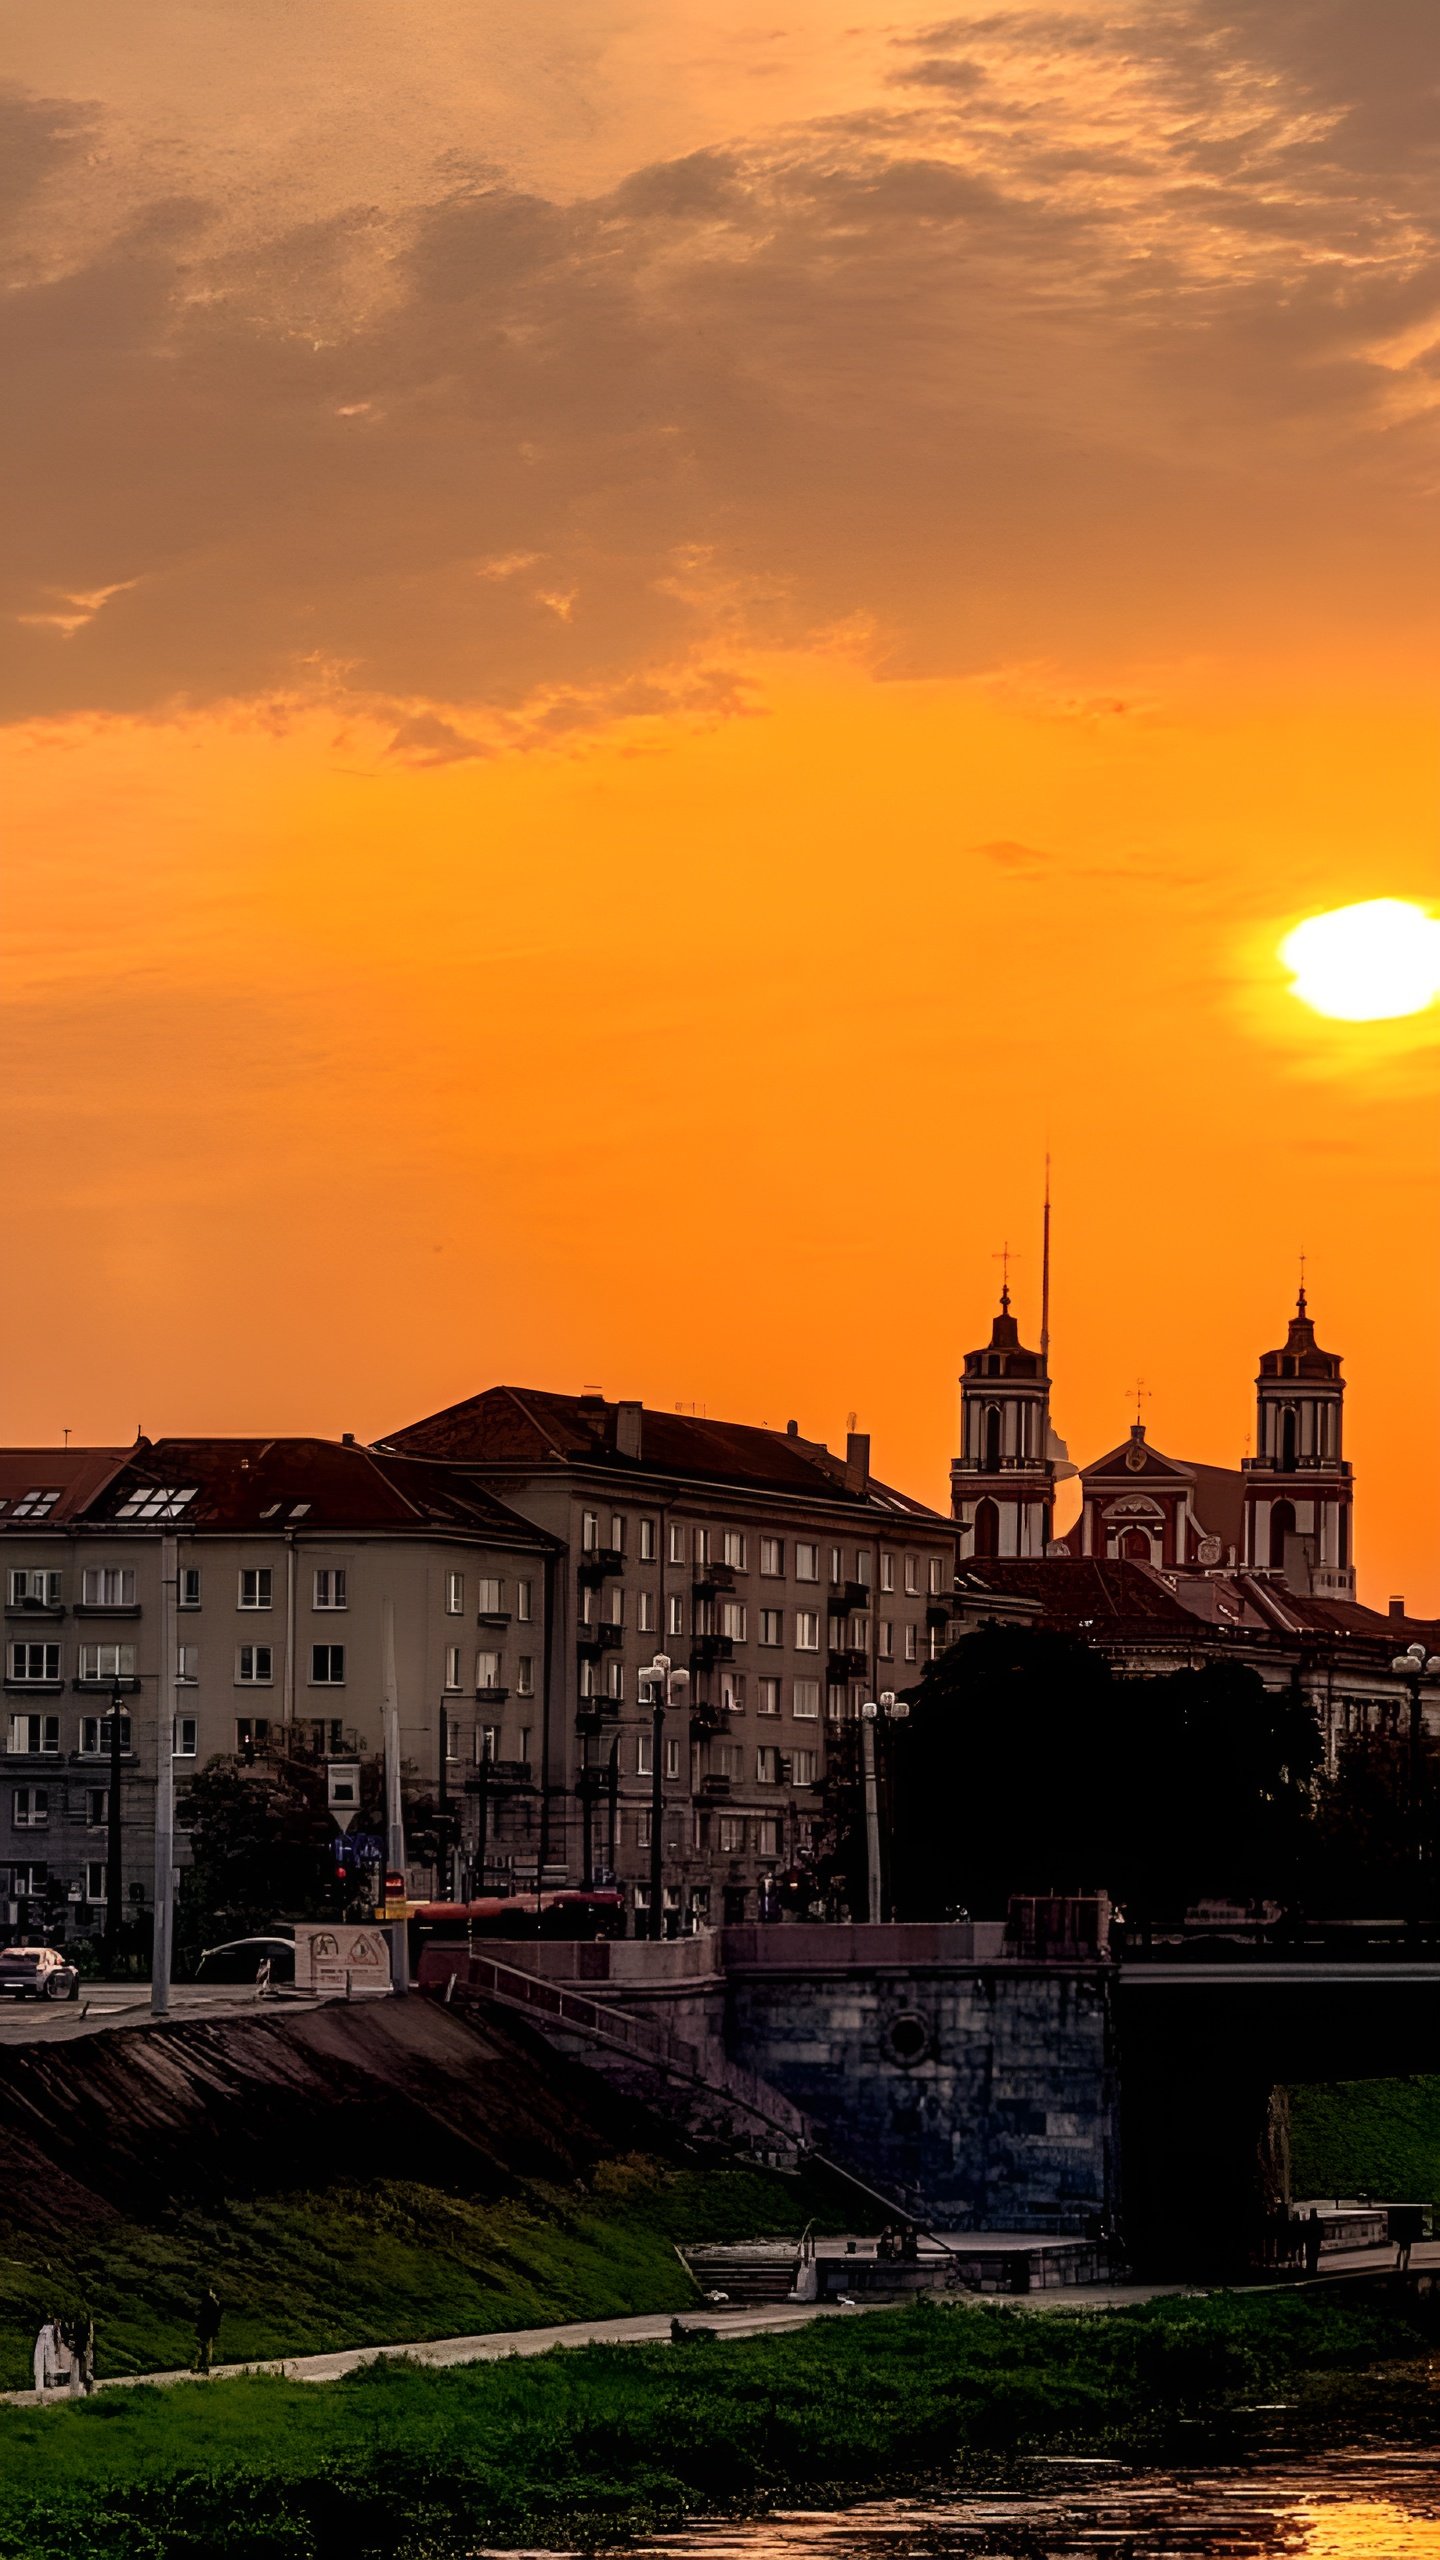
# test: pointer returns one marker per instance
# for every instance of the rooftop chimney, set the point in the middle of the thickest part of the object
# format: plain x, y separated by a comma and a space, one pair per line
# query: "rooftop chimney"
1397, 1604
629, 1429
792, 1430
857, 1461
347, 1439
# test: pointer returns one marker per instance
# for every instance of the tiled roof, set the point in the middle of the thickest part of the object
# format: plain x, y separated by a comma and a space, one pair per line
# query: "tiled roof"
1085, 1591
1090, 1592
51, 1484
277, 1484
530, 1427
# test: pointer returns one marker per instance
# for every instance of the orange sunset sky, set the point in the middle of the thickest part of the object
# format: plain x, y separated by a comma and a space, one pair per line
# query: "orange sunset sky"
648, 642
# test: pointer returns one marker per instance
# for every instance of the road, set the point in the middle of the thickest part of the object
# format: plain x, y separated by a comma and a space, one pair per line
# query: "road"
122, 2004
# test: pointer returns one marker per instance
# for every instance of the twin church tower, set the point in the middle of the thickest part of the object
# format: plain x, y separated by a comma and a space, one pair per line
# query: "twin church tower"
1287, 1510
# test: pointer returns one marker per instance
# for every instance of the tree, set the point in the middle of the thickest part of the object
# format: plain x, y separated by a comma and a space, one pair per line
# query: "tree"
1375, 1850
262, 1847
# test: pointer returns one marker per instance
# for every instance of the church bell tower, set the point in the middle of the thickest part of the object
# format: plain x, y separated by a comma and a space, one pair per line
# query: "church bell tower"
1002, 1485
1299, 1491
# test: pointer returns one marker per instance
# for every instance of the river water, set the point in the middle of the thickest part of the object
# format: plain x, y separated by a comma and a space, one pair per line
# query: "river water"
1349, 2505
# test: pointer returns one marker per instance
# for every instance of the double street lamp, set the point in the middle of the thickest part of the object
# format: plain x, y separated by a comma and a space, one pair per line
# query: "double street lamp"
1415, 1667
889, 1709
661, 1687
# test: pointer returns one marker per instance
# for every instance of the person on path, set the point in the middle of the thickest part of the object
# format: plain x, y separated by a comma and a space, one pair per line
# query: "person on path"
262, 1979
1314, 2236
85, 2351
1405, 2223
207, 2329
47, 2356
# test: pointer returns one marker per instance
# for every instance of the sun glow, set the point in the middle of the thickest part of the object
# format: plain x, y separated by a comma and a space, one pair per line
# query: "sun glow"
1367, 963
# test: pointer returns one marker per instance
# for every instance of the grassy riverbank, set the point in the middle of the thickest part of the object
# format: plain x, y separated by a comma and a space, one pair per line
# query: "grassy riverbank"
594, 2443
1367, 2137
346, 2266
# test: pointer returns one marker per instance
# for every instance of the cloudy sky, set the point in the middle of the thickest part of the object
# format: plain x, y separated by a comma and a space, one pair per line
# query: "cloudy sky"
644, 646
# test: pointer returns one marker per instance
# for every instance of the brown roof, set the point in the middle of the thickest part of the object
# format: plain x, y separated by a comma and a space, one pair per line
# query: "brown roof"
531, 1427
277, 1484
71, 1476
1084, 1591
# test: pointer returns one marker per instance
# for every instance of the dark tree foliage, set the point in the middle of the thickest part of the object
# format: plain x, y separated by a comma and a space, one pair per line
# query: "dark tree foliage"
1028, 1767
261, 1847
1375, 1848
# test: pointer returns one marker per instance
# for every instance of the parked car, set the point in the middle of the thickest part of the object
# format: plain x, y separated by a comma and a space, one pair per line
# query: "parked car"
37, 1973
240, 1959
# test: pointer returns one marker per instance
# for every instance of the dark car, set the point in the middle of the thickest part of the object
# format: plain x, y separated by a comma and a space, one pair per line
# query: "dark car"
37, 1973
240, 1959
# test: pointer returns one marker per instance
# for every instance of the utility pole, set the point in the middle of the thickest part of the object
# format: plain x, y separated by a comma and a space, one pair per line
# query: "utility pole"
665, 1688
164, 1893
114, 1881
892, 1710
394, 1803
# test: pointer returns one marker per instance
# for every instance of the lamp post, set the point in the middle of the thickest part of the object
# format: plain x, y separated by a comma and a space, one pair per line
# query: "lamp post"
663, 1688
894, 1711
1415, 1666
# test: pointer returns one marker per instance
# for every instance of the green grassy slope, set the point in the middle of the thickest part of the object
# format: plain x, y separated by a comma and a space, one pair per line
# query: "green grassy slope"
355, 2266
1367, 2137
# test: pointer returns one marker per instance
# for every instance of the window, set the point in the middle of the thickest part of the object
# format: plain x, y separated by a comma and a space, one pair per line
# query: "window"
732, 1620
767, 1697
187, 1665
251, 1735
645, 1612
677, 1542
156, 1501
97, 1806
186, 1739
807, 1630
95, 1736
772, 1626
34, 1662
107, 1662
189, 1595
487, 1670
524, 1602
37, 1503
912, 1575
253, 1662
614, 1679
330, 1587
34, 1589
702, 1546
490, 1596
615, 1605
674, 1615
452, 1739
30, 1807
732, 1692
672, 1755
805, 1698
525, 1679
327, 1665
454, 1594
642, 1841
767, 1836
887, 1572
649, 1545
772, 1555
911, 1649
804, 1766
837, 1703
769, 1766
487, 1745
524, 1738
587, 1680
887, 1640
837, 1564
937, 1577
108, 1586
644, 1755
255, 1586
97, 1880
35, 1733
807, 1561
617, 1531
733, 1549
589, 1531
732, 1835
29, 1881
452, 1666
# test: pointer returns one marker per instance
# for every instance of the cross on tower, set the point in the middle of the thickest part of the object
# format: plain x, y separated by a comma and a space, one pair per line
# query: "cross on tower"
1003, 1257
1303, 1259
1142, 1398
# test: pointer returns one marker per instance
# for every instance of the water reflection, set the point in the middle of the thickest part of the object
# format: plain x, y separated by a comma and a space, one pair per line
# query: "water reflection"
1353, 2506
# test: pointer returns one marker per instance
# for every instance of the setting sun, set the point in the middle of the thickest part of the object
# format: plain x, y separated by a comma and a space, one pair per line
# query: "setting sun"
1367, 963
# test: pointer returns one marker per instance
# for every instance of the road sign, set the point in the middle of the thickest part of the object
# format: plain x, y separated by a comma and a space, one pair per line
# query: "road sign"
332, 1957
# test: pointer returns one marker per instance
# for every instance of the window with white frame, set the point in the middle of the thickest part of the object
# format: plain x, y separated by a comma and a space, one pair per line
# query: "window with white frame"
33, 1664
672, 1755
523, 1738
37, 1504
732, 1620
97, 1880
452, 1739
912, 1576
769, 1765
487, 1670
252, 1733
28, 1882
157, 1502
525, 1679
327, 1666
912, 1649
648, 1541
805, 1698
837, 1703
772, 1626
837, 1564
487, 1744
886, 1645
642, 1841
30, 1808
614, 1679
732, 1835
254, 1665
732, 1692
95, 1737
615, 1605
674, 1615
590, 1531
804, 1768
490, 1596
807, 1630
772, 1556
587, 1680
189, 1597
677, 1541
97, 1807
37, 1735
187, 1665
887, 1571
525, 1602
767, 1697
454, 1594
330, 1580
452, 1667
108, 1586
185, 1741
807, 1561
617, 1531
256, 1586
767, 1835
107, 1662
34, 1587
937, 1577
645, 1612
733, 1549
644, 1755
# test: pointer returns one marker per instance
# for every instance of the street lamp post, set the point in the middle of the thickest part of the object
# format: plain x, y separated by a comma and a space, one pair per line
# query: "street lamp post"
666, 1688
893, 1710
1415, 1667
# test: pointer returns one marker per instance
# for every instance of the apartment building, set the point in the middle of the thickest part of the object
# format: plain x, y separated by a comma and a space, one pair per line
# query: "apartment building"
287, 1552
785, 1578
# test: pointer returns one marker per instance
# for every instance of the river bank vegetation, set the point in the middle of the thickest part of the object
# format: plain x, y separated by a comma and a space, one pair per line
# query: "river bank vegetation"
588, 2445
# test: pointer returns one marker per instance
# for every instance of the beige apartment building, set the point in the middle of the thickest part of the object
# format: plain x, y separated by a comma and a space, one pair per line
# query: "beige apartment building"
287, 1552
785, 1578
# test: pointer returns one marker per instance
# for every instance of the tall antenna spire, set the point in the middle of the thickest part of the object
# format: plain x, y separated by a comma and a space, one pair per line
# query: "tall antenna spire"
1045, 1276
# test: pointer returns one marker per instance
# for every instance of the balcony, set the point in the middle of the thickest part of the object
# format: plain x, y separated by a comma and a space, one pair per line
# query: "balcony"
711, 1649
716, 1789
107, 1608
504, 1775
594, 1714
492, 1697
599, 1564
493, 1618
125, 1685
937, 1613
849, 1664
599, 1637
43, 1610
710, 1578
846, 1597
705, 1719
35, 1688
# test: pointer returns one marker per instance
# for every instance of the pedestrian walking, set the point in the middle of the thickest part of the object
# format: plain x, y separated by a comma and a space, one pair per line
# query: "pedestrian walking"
262, 1979
207, 2329
85, 2342
47, 2356
74, 2349
1314, 2237
1404, 2224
